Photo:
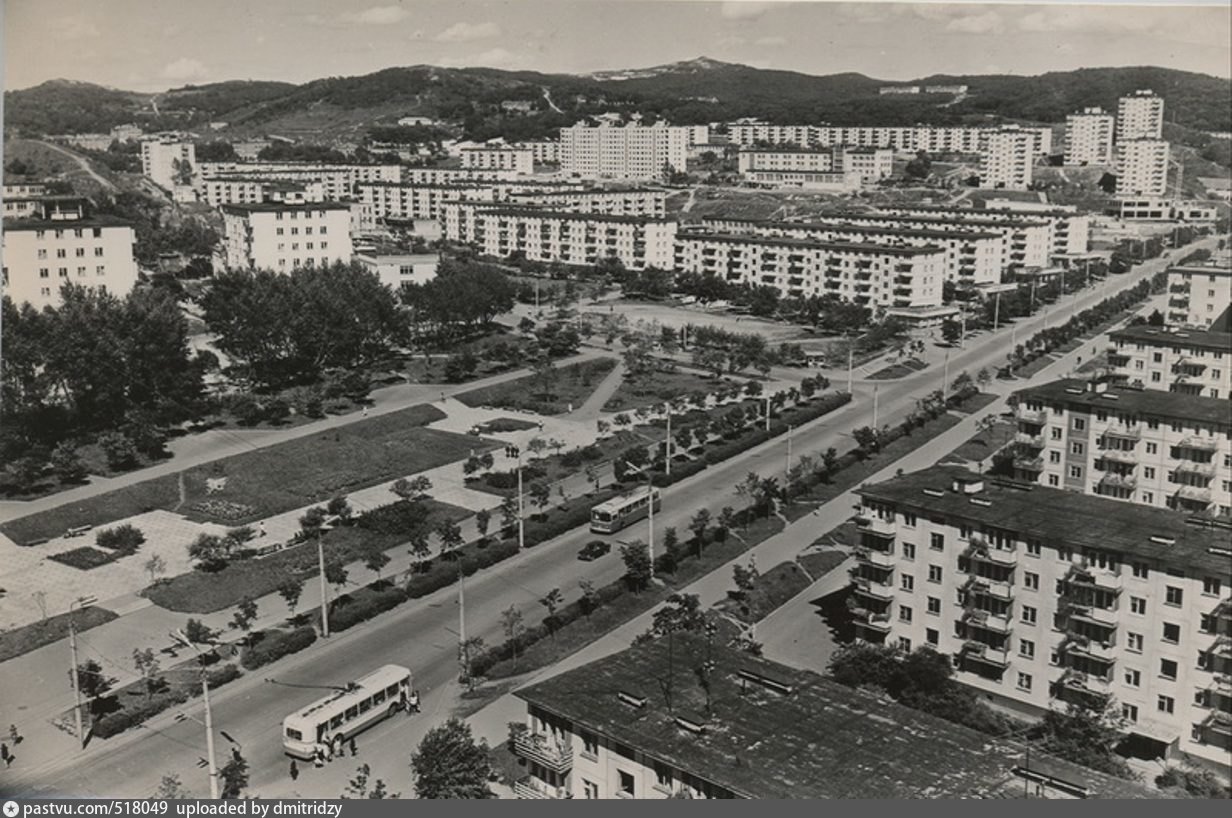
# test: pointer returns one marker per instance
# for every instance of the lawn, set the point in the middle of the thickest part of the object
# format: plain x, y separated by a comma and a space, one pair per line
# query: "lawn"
206, 592
771, 590
976, 402
657, 387
898, 370
53, 629
820, 563
982, 444
274, 479
572, 385
85, 557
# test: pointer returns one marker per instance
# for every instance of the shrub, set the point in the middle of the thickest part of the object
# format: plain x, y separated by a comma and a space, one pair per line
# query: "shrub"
269, 646
83, 558
350, 610
126, 538
139, 710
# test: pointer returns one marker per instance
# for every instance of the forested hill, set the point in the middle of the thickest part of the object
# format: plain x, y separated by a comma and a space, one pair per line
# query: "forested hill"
695, 91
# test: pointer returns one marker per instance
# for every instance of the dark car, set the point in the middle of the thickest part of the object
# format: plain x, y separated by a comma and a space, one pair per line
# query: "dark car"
593, 550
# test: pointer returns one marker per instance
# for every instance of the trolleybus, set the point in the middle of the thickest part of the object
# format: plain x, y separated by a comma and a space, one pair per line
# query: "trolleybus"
332, 720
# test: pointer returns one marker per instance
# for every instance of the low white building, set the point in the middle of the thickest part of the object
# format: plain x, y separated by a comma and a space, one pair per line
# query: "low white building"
783, 163
518, 160
396, 269
281, 237
41, 256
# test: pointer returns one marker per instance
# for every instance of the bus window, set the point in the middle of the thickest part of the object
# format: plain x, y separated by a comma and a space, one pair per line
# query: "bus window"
391, 691
335, 722
365, 705
603, 516
294, 734
352, 712
378, 696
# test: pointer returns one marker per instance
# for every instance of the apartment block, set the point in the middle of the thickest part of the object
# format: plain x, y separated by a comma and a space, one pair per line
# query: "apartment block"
869, 165
1145, 446
338, 180
1200, 296
453, 176
972, 259
1142, 167
248, 190
874, 275
23, 190
1140, 116
695, 719
1043, 597
544, 151
629, 202
402, 201
1069, 231
519, 160
281, 237
1088, 137
557, 236
169, 160
751, 132
930, 139
1007, 159
629, 151
1191, 362
42, 255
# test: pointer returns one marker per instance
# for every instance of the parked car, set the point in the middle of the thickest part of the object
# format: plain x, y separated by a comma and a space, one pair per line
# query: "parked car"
593, 550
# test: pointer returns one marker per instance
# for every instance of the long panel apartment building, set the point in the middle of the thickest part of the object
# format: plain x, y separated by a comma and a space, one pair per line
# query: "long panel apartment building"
1200, 296
972, 259
339, 180
1069, 231
629, 202
902, 139
1191, 362
1146, 446
546, 235
518, 160
873, 275
1043, 596
869, 165
221, 190
282, 236
629, 151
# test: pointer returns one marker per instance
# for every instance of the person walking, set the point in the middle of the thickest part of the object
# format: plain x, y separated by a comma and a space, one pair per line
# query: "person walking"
294, 770
413, 701
318, 760
354, 751
4, 755
14, 736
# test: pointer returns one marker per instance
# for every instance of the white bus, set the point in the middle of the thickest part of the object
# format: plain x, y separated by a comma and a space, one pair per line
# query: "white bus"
627, 509
333, 720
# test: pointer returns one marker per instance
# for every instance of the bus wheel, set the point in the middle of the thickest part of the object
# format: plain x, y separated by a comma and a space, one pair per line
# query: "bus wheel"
394, 708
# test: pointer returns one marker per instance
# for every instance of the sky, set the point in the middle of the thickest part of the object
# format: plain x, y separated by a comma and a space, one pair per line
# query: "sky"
153, 45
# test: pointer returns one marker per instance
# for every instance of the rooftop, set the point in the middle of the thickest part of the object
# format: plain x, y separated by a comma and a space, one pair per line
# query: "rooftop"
820, 740
872, 230
1138, 402
281, 207
867, 248
533, 212
993, 223
1057, 517
65, 224
1162, 336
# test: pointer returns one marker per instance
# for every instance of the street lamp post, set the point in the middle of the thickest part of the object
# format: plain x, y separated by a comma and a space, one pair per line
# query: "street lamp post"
516, 453
324, 583
78, 603
667, 450
945, 377
179, 636
650, 514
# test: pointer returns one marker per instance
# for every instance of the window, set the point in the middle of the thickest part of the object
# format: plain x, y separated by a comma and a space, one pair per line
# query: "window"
909, 550
590, 744
1173, 595
1054, 457
1055, 433
1053, 480
278, 231
590, 790
1030, 580
932, 636
934, 573
43, 273
1140, 570
1024, 681
934, 605
1129, 712
1029, 614
909, 520
626, 783
1033, 548
936, 541
42, 253
1075, 472
1080, 424
1026, 648
1137, 605
1133, 642
1077, 447
1148, 472
81, 252
663, 775
61, 253
904, 644
1172, 633
1167, 669
907, 581
1133, 678
904, 613
1211, 586
1166, 704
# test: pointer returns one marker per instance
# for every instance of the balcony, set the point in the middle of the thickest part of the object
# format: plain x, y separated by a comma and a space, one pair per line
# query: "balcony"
551, 753
1037, 416
1193, 495
1118, 481
1002, 591
1199, 444
1029, 464
1090, 577
1082, 688
1194, 467
878, 623
1081, 645
867, 589
976, 651
998, 624
1179, 288
1216, 729
1188, 366
1128, 431
529, 787
1028, 439
876, 526
1178, 303
872, 556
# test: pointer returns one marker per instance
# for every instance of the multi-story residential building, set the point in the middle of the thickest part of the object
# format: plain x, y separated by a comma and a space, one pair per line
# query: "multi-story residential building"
1191, 362
945, 89
642, 724
23, 190
222, 190
872, 164
498, 230
869, 164
395, 269
1140, 116
545, 151
1142, 167
972, 259
749, 132
1044, 596
339, 181
903, 139
281, 237
402, 201
1088, 137
1144, 446
631, 151
453, 176
169, 160
126, 133
1007, 159
873, 275
1200, 296
1069, 231
895, 90
518, 160
41, 255
628, 202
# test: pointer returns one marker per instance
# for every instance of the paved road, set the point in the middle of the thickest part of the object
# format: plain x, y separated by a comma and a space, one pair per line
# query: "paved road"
422, 635
80, 160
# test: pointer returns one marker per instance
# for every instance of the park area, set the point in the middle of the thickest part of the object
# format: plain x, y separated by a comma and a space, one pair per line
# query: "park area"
550, 391
258, 484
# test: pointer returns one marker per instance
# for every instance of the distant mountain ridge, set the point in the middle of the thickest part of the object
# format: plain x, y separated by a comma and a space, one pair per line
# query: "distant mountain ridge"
688, 92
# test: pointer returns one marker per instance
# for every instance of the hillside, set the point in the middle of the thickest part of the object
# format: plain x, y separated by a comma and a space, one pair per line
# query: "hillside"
701, 90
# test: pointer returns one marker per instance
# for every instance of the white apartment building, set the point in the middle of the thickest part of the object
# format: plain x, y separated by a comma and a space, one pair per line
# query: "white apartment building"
835, 181
637, 242
169, 160
902, 139
396, 269
869, 164
1200, 296
630, 202
1191, 362
751, 132
519, 160
41, 256
23, 190
1144, 446
1140, 116
872, 275
1043, 596
631, 151
1088, 137
972, 259
1142, 167
544, 151
222, 190
339, 180
454, 176
281, 237
1007, 160
1069, 231
401, 201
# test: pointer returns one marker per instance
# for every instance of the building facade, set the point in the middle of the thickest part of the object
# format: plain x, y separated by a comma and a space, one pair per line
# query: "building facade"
1043, 597
1191, 362
421, 201
869, 165
281, 237
396, 269
630, 202
519, 160
901, 139
1145, 446
42, 255
170, 161
337, 180
1140, 116
1088, 137
1142, 167
629, 151
1069, 232
1200, 296
1007, 159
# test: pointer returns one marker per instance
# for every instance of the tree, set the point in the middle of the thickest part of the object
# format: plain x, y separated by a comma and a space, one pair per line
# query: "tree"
210, 551
483, 518
335, 573
698, 525
540, 495
67, 464
199, 633
638, 570
120, 452
359, 787
983, 378
511, 624
450, 534
234, 775
1086, 736
147, 666
155, 566
415, 488
93, 683
588, 600
171, 789
451, 764
727, 520
339, 507
312, 522
375, 559
290, 591
551, 601
1194, 781
245, 614
745, 578
867, 438
679, 613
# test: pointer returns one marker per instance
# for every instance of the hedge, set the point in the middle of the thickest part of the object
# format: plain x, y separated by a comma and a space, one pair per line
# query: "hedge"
269, 646
142, 710
352, 609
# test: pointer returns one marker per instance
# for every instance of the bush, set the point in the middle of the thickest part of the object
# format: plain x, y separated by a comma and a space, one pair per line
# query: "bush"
366, 603
269, 646
83, 558
126, 538
509, 479
140, 710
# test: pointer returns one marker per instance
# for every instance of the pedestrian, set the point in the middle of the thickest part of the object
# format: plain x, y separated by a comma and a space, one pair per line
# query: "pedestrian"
261, 527
329, 751
442, 397
365, 411
4, 754
414, 701
318, 760
354, 751
14, 736
294, 770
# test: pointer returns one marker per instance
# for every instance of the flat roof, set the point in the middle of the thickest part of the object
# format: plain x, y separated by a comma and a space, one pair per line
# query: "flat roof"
274, 207
1061, 518
821, 740
846, 214
65, 224
962, 211
1157, 336
784, 241
498, 210
588, 191
946, 235
1142, 402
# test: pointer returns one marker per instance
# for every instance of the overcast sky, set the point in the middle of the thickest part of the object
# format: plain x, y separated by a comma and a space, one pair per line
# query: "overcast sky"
157, 44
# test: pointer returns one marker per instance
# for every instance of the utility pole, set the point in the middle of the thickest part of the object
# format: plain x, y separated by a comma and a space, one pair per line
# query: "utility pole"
996, 313
650, 498
851, 355
324, 584
667, 459
945, 378
515, 452
80, 602
463, 650
875, 388
767, 413
209, 734
787, 471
